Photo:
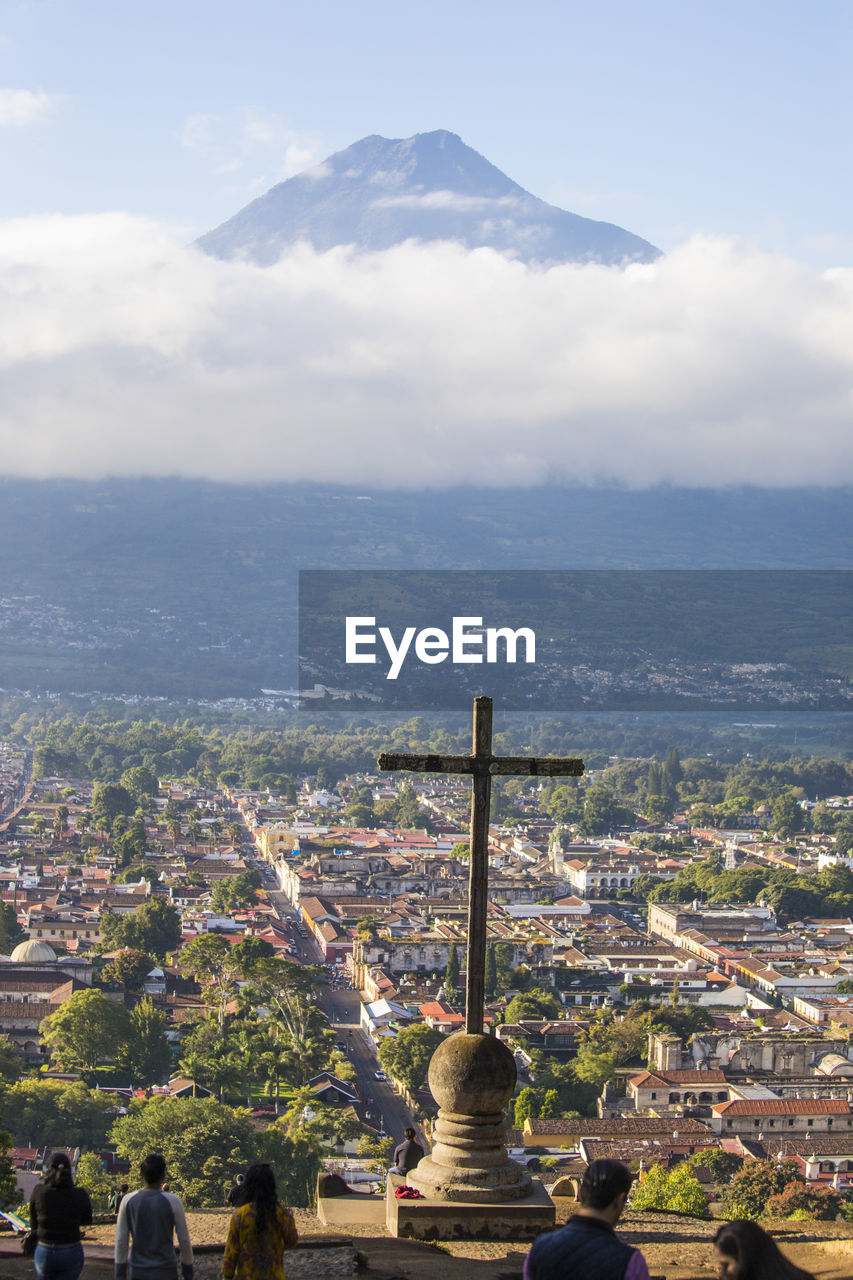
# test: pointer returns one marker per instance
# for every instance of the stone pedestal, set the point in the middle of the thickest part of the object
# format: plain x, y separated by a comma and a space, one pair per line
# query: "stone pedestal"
471, 1078
471, 1189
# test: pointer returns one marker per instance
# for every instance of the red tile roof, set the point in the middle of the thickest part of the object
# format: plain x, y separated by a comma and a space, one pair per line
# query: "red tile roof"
783, 1107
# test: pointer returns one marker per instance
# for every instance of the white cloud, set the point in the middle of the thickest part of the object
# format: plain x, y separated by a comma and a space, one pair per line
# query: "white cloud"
450, 200
256, 143
198, 131
24, 106
122, 352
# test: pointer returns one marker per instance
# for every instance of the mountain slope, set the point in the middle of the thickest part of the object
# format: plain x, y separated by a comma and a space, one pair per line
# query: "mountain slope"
380, 192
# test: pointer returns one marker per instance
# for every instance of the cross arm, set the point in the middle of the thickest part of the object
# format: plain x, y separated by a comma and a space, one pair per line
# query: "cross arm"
426, 763
529, 766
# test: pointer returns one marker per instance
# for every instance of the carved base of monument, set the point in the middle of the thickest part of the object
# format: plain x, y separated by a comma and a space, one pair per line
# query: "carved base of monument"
469, 1162
431, 1219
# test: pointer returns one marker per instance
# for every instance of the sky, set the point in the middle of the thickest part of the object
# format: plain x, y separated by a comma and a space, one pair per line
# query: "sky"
720, 133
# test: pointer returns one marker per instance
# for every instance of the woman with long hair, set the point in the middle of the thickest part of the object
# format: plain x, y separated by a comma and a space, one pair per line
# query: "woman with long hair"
746, 1252
58, 1210
260, 1230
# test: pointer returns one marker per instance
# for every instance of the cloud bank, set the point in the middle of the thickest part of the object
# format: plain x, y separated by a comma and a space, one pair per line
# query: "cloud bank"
23, 106
123, 352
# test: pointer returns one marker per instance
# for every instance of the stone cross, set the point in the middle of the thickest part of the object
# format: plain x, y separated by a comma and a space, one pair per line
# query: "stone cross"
483, 766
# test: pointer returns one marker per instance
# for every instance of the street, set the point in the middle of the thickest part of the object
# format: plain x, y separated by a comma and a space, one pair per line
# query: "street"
379, 1106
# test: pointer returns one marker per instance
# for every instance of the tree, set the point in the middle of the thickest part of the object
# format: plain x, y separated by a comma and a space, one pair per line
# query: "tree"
491, 974
93, 1177
360, 815
250, 952
793, 901
680, 1020
52, 1113
565, 803
722, 1165
295, 1027
109, 800
11, 933
505, 973
533, 1006
677, 1189
238, 891
8, 1173
550, 1105
206, 1057
407, 1057
757, 1181
146, 1057
601, 811
379, 1152
799, 1200
155, 927
128, 969
451, 973
60, 821
138, 871
786, 816
139, 782
525, 1107
685, 1194
210, 958
651, 1193
203, 1143
86, 1030
11, 1062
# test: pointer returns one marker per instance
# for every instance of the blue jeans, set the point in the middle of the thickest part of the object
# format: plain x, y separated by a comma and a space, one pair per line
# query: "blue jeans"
63, 1263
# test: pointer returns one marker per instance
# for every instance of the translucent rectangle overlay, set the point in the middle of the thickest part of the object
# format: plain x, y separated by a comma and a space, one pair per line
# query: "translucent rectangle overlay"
573, 640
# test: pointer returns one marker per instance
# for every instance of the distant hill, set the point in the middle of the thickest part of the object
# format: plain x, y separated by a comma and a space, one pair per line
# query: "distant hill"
188, 588
382, 191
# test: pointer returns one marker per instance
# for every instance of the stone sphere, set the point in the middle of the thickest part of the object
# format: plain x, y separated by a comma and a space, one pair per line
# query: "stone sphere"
472, 1074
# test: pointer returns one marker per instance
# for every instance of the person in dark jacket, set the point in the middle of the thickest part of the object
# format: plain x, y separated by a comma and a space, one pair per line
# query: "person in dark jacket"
235, 1195
58, 1210
587, 1245
409, 1153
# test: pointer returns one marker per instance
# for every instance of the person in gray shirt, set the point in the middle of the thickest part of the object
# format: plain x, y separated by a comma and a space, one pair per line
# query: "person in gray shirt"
150, 1218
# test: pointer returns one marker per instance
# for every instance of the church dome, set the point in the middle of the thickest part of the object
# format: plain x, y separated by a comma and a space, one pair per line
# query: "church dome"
832, 1064
33, 952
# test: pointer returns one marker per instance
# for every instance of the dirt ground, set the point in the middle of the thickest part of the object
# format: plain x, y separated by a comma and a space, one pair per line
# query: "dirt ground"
675, 1248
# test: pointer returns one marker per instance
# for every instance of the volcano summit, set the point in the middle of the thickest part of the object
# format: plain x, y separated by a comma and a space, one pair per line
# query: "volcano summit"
381, 192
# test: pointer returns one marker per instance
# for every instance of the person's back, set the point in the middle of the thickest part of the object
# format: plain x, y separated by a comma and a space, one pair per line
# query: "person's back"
409, 1153
259, 1232
587, 1245
58, 1210
584, 1247
150, 1217
147, 1221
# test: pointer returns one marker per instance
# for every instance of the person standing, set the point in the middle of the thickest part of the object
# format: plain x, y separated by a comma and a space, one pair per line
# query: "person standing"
235, 1195
149, 1219
259, 1232
587, 1245
409, 1153
58, 1210
116, 1197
